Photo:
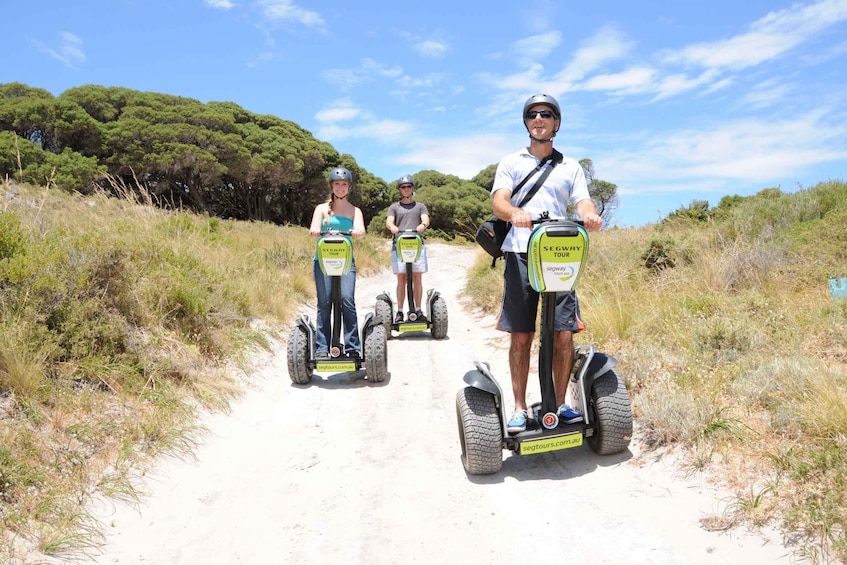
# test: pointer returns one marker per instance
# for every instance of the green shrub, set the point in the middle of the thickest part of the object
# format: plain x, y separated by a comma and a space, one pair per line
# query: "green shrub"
12, 238
660, 254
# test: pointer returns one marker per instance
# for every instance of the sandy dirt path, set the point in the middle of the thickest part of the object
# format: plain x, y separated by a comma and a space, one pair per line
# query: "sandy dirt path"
347, 471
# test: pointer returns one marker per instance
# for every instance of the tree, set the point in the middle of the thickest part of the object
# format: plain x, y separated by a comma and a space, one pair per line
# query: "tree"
26, 111
17, 154
605, 197
68, 170
604, 194
485, 178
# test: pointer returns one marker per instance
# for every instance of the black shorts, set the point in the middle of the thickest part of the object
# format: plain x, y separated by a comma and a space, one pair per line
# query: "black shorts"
519, 310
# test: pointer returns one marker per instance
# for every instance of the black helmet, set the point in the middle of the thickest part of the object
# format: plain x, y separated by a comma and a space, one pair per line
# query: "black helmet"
546, 100
406, 179
340, 173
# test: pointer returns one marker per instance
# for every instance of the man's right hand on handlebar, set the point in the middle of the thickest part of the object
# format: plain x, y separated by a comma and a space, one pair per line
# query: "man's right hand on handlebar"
520, 218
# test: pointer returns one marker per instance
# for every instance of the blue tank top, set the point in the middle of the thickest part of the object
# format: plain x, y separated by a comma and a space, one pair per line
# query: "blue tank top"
340, 223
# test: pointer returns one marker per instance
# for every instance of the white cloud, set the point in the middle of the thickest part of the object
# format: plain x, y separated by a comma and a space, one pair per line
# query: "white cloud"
431, 48
607, 45
429, 81
367, 71
768, 38
751, 150
372, 67
526, 80
630, 81
69, 51
719, 85
462, 156
530, 49
222, 4
766, 94
342, 112
370, 70
286, 10
672, 85
344, 79
380, 130
344, 120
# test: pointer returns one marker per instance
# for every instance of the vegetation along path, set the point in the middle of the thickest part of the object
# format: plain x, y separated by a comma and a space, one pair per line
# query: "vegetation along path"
346, 471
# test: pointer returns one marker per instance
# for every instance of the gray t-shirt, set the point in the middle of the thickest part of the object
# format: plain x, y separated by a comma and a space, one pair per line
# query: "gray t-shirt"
407, 216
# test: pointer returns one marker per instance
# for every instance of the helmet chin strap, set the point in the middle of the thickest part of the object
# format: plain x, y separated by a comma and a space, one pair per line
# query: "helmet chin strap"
535, 139
539, 140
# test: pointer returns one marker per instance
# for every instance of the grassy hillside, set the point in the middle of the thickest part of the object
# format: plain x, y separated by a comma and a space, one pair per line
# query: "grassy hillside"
733, 348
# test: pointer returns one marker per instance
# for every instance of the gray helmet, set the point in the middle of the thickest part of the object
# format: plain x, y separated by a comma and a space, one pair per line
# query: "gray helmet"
546, 100
340, 173
406, 179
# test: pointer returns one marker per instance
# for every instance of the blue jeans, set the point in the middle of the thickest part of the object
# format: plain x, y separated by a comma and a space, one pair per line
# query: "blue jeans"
349, 319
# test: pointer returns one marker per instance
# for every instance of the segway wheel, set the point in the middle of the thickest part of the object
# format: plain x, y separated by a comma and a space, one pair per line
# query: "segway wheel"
439, 318
298, 356
612, 415
382, 315
479, 431
376, 361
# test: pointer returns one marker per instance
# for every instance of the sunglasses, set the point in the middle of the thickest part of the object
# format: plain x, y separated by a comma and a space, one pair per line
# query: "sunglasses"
546, 114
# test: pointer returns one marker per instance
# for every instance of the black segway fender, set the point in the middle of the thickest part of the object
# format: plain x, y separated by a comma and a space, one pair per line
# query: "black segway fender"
431, 295
480, 380
385, 296
309, 327
369, 321
600, 364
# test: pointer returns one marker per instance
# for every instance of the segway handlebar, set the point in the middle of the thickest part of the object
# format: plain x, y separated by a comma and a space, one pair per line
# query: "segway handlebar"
545, 217
331, 231
407, 232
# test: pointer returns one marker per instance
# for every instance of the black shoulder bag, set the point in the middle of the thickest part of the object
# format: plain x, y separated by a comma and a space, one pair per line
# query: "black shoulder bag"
492, 232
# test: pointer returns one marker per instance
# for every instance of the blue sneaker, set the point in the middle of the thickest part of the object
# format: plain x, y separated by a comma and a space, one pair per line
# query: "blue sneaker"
568, 415
517, 423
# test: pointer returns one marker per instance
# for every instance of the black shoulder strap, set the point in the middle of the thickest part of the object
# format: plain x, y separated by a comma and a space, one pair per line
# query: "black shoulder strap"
554, 159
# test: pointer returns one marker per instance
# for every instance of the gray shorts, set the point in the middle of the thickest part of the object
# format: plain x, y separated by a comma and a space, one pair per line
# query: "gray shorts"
518, 312
398, 268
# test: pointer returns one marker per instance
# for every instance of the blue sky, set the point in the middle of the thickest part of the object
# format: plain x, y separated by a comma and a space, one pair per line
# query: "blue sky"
672, 102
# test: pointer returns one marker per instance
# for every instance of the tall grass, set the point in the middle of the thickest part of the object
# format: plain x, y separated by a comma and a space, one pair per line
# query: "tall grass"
733, 350
118, 322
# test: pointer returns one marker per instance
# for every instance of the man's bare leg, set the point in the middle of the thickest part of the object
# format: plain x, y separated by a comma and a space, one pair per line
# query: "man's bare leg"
562, 364
519, 352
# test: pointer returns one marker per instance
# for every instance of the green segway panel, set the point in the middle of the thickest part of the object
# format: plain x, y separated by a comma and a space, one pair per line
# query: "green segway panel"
335, 255
557, 251
409, 247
